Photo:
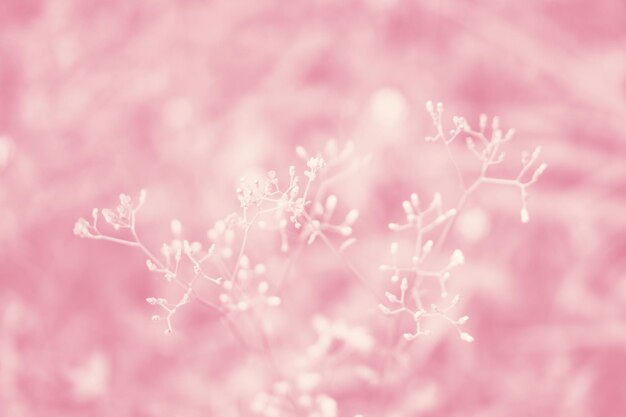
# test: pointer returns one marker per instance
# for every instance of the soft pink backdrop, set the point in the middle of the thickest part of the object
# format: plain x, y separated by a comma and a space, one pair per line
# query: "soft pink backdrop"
182, 98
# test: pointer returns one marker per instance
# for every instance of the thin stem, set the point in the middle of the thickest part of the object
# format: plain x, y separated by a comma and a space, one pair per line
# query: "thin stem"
461, 204
362, 280
115, 240
244, 242
459, 175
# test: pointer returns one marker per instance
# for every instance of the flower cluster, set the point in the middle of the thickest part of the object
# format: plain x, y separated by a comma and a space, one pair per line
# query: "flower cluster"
408, 298
292, 209
486, 145
123, 217
301, 393
301, 209
298, 397
410, 277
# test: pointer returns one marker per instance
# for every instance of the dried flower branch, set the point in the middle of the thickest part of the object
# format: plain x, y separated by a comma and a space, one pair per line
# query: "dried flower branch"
264, 204
411, 277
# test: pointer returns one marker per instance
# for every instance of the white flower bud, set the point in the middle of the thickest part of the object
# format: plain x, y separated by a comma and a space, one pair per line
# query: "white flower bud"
525, 217
392, 298
466, 337
457, 257
345, 230
301, 152
455, 300
273, 301
351, 217
176, 227
393, 226
263, 287
331, 203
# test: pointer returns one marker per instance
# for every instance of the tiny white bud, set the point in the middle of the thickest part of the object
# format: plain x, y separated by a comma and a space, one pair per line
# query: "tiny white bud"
428, 246
176, 227
151, 266
408, 336
151, 300
352, 217
331, 203
346, 244
274, 301
462, 320
436, 200
541, 168
155, 318
482, 121
393, 249
525, 217
345, 230
457, 257
301, 152
195, 247
404, 285
455, 300
466, 337
395, 278
384, 309
392, 298
393, 226
407, 207
142, 196
263, 287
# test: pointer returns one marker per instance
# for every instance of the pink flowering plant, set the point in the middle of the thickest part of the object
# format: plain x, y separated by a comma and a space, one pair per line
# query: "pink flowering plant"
287, 214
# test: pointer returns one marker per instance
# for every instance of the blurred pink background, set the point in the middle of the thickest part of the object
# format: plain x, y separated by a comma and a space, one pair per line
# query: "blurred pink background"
183, 97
